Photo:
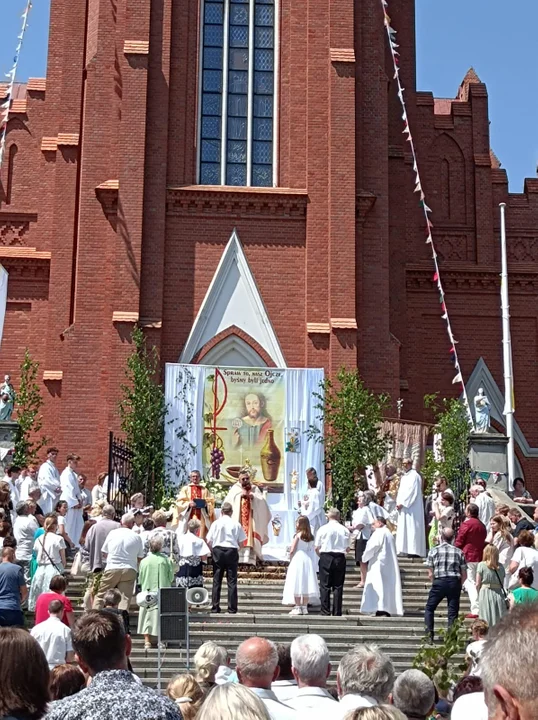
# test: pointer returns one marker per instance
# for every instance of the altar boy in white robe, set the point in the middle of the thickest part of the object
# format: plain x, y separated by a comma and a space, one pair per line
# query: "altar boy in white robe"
383, 588
48, 479
312, 507
74, 521
410, 535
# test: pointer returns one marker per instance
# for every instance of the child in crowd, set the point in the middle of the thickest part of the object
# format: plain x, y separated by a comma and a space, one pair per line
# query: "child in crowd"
479, 631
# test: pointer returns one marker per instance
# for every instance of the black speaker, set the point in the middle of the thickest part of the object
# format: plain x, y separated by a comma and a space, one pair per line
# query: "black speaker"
174, 624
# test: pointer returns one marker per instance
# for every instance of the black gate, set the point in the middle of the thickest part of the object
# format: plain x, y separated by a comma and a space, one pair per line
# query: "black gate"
122, 482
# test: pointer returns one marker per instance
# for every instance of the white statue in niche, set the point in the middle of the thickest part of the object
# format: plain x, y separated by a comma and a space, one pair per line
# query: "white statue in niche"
482, 412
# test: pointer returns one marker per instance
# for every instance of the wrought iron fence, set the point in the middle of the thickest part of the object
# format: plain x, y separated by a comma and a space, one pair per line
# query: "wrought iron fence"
122, 479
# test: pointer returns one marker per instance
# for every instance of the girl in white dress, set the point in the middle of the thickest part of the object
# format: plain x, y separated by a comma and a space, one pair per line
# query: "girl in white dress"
301, 586
50, 551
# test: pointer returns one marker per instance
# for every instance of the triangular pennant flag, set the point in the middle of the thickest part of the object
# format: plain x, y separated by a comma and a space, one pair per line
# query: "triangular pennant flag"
445, 316
418, 187
430, 224
428, 239
441, 298
422, 196
427, 209
443, 306
457, 379
436, 277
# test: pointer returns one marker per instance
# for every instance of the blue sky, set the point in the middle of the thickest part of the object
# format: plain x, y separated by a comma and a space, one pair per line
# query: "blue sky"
496, 37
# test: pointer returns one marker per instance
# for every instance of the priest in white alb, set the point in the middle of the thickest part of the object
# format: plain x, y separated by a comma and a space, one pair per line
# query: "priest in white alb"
74, 521
251, 511
48, 479
382, 593
311, 506
410, 535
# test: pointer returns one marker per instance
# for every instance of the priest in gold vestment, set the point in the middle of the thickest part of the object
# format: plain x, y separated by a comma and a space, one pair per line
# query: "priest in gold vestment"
184, 506
251, 511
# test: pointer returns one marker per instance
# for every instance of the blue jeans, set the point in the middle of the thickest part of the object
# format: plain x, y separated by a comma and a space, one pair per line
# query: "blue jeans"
11, 618
449, 588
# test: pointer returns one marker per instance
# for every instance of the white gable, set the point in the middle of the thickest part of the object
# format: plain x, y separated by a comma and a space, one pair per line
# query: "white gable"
233, 298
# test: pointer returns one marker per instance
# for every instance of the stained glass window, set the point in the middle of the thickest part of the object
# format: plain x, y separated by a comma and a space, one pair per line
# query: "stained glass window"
237, 92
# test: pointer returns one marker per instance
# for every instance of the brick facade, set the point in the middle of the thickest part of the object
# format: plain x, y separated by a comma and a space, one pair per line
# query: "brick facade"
102, 225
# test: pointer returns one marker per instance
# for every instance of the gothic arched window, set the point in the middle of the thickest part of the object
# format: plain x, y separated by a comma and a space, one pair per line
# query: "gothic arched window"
237, 94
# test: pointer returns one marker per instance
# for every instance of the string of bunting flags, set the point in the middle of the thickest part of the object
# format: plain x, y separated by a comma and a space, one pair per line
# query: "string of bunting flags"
458, 378
5, 107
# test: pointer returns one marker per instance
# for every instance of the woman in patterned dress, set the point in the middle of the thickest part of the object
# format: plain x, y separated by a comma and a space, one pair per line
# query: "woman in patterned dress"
192, 552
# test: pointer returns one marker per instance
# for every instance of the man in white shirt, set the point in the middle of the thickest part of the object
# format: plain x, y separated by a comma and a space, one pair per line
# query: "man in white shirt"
332, 544
54, 636
485, 504
256, 662
123, 550
74, 521
224, 538
310, 665
48, 479
365, 678
23, 531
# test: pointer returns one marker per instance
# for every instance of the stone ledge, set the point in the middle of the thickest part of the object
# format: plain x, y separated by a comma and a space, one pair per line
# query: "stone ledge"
342, 55
68, 138
226, 200
120, 316
136, 47
344, 323
19, 106
53, 375
318, 328
49, 144
27, 253
36, 85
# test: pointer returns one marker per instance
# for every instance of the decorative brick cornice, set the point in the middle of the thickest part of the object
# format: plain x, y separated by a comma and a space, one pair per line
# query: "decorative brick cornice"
36, 85
343, 323
318, 328
342, 55
18, 107
14, 229
136, 47
482, 159
49, 375
49, 144
68, 138
204, 200
120, 316
25, 265
523, 280
107, 194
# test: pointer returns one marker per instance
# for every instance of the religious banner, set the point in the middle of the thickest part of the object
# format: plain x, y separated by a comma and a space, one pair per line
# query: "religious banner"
244, 416
223, 418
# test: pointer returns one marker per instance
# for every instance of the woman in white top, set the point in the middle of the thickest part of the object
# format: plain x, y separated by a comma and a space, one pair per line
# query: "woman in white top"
499, 535
524, 556
301, 586
192, 552
99, 492
61, 511
50, 552
362, 521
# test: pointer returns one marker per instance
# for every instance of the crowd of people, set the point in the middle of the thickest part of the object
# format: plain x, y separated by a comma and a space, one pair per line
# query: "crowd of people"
265, 681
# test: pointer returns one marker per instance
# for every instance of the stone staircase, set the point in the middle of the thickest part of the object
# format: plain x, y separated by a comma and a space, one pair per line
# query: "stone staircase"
261, 613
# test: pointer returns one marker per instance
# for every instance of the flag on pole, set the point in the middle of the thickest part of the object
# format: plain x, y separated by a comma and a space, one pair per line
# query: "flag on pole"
3, 298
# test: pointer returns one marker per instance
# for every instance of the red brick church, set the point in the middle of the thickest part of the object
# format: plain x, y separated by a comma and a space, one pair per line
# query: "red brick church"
163, 126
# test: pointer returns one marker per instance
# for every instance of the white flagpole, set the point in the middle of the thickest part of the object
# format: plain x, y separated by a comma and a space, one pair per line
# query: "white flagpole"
507, 353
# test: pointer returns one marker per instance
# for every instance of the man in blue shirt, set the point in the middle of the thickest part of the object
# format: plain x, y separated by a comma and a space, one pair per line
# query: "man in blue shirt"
13, 590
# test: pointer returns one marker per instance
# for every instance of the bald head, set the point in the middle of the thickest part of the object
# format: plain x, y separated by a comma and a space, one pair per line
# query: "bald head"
256, 662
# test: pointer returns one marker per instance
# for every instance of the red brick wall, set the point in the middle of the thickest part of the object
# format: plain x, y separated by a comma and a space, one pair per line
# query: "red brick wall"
347, 249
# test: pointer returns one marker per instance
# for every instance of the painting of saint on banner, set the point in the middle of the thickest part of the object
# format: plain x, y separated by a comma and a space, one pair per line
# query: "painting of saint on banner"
244, 418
